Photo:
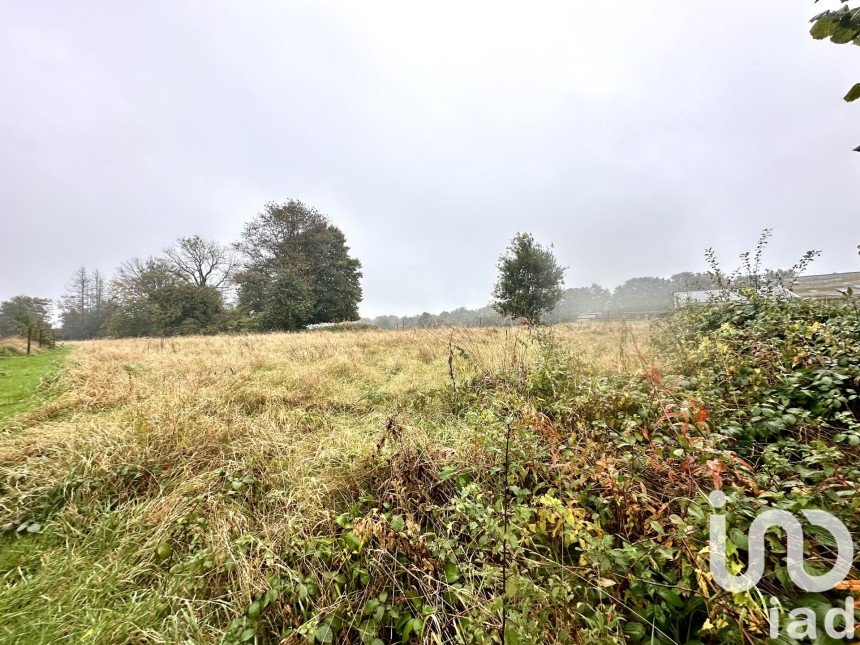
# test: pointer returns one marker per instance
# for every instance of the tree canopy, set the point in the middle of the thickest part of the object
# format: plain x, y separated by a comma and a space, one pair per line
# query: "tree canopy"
290, 269
296, 269
20, 313
530, 280
201, 262
581, 300
151, 299
644, 295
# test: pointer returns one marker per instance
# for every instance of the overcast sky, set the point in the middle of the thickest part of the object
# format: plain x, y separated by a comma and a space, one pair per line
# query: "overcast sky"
631, 135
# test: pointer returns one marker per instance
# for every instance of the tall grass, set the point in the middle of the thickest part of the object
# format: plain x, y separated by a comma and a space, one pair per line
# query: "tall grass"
201, 489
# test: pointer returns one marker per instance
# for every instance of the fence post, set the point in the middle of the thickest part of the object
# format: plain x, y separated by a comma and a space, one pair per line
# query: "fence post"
29, 338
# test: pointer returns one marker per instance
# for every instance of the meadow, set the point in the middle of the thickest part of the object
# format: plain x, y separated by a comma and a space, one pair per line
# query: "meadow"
465, 485
222, 449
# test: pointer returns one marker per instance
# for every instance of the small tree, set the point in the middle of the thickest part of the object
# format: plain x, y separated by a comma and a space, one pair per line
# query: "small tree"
28, 317
530, 280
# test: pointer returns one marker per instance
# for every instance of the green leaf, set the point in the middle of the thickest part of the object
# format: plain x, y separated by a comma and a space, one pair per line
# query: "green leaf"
853, 93
163, 551
324, 634
843, 35
417, 626
452, 573
673, 598
783, 576
817, 603
447, 472
635, 631
822, 28
352, 541
739, 538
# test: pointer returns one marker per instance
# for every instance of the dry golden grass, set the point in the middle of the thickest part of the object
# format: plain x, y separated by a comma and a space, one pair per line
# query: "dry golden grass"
152, 434
306, 403
17, 346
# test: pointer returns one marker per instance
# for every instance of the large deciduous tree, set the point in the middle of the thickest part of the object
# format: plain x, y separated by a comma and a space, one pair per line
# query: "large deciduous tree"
152, 300
530, 280
201, 262
296, 269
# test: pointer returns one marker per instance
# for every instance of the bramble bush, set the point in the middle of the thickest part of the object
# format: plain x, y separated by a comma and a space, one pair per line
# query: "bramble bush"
758, 397
584, 514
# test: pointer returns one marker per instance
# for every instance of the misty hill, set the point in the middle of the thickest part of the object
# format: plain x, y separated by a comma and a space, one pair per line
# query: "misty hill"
635, 296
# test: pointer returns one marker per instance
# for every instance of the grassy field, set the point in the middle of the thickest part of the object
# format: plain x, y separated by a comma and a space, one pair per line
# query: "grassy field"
440, 486
21, 376
164, 461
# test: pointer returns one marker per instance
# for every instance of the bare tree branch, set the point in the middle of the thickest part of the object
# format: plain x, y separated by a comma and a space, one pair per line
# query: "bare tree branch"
202, 262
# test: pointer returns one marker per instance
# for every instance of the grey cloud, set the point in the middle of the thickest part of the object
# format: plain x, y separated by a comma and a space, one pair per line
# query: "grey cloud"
630, 137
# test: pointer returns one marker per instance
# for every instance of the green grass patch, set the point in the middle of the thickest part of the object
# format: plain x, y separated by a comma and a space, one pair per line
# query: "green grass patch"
93, 592
22, 378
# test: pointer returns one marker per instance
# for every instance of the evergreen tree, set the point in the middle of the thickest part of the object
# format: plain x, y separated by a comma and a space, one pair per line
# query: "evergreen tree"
84, 308
23, 313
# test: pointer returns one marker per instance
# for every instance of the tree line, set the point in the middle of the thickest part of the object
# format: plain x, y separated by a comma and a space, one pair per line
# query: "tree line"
530, 288
290, 268
635, 296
